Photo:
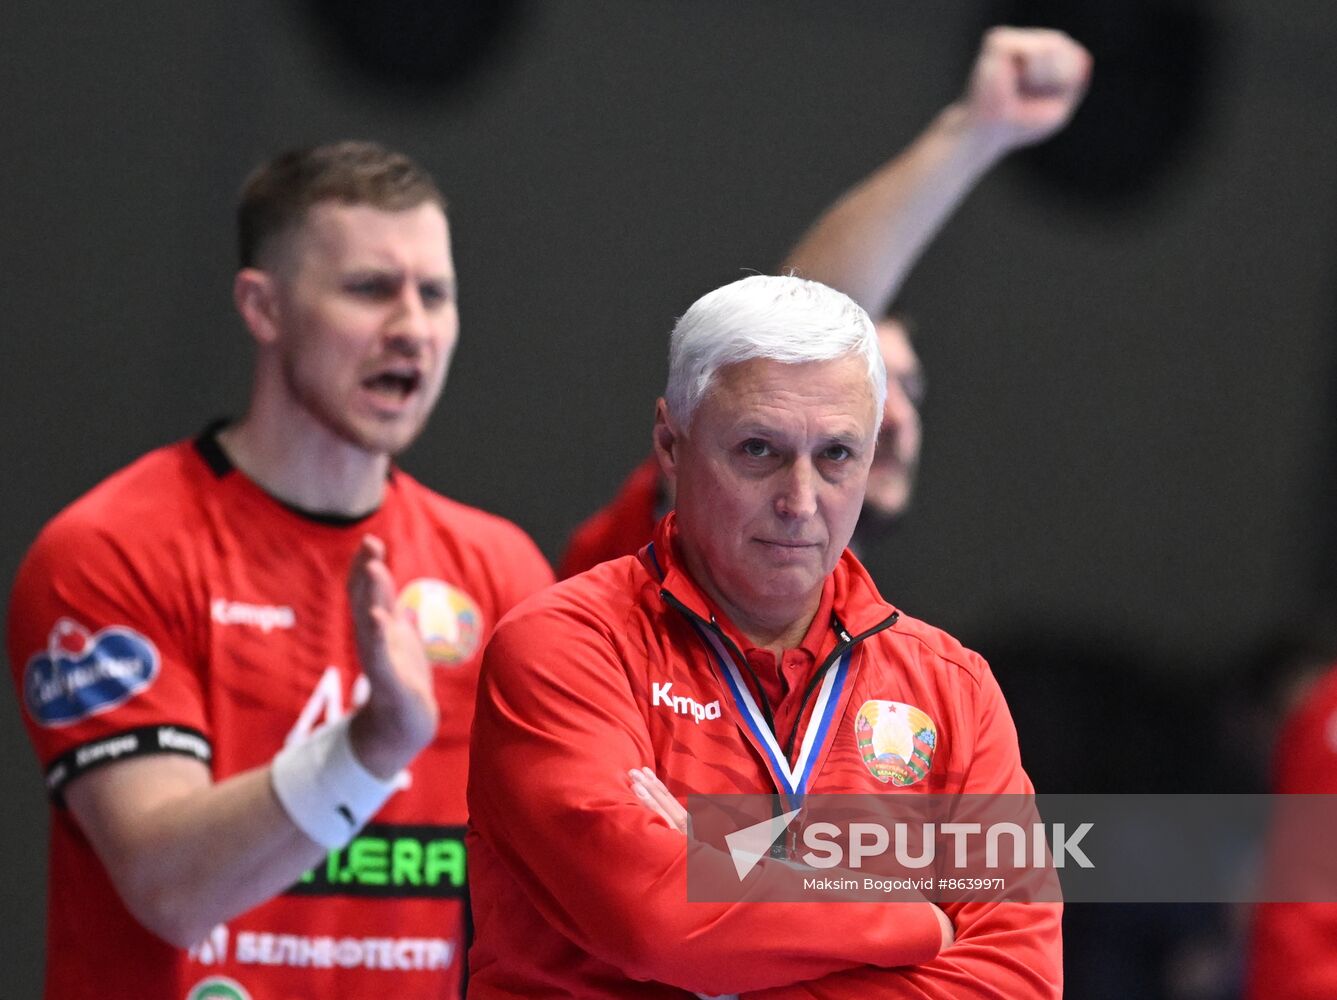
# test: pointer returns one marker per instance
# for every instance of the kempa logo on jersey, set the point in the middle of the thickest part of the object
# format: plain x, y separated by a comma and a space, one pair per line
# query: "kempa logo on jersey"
171, 738
132, 743
265, 617
166, 738
117, 746
661, 695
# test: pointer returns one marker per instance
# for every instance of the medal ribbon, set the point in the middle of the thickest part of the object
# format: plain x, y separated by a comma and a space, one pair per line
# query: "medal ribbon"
793, 781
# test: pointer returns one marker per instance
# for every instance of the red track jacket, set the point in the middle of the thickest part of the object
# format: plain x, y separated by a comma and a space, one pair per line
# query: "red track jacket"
579, 891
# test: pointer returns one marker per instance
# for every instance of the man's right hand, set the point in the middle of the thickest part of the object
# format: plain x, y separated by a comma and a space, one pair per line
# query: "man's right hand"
1025, 85
401, 715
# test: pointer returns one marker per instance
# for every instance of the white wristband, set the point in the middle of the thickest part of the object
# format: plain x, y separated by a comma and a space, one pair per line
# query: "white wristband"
323, 788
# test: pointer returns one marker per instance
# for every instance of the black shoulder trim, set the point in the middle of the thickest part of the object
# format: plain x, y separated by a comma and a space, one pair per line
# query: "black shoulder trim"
122, 746
211, 451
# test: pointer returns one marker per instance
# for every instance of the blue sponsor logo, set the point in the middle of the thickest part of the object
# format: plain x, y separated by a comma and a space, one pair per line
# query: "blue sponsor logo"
81, 674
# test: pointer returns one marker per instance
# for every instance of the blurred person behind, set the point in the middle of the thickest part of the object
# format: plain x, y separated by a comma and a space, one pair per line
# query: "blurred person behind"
1025, 85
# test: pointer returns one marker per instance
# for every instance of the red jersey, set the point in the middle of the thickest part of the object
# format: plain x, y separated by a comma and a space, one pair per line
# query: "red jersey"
622, 527
177, 608
580, 891
1293, 947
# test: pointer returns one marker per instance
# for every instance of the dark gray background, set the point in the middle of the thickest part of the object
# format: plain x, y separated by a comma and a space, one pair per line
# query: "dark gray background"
1128, 416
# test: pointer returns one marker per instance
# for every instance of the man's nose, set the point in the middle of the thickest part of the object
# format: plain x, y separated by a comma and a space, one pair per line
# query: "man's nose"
797, 498
409, 325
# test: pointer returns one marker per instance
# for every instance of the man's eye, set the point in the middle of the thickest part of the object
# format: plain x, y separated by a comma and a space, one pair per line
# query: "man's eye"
837, 453
433, 295
371, 288
756, 448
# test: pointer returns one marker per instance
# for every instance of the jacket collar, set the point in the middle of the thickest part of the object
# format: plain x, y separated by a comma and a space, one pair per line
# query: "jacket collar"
857, 603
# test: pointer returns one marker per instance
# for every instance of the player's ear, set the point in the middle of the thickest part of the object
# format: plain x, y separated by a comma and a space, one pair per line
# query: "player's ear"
666, 441
253, 295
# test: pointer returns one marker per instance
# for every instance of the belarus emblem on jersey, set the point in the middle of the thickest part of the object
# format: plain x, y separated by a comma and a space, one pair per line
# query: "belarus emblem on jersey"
896, 741
218, 988
448, 620
81, 674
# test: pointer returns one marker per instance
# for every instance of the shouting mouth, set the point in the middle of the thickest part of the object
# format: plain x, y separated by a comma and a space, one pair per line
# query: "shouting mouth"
393, 387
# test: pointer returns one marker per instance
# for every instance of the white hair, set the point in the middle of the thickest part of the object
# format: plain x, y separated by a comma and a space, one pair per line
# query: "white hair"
780, 318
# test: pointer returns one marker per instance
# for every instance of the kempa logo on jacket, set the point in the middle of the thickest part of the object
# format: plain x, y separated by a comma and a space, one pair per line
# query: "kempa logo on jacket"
683, 704
265, 617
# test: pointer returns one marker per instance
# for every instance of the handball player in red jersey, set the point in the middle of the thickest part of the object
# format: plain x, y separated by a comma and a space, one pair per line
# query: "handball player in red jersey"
252, 798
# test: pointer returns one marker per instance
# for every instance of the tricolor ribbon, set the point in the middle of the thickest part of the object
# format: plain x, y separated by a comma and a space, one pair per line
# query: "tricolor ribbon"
792, 780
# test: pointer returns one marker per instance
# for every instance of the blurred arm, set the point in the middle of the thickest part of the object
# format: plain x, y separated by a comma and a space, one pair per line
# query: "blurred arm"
1025, 85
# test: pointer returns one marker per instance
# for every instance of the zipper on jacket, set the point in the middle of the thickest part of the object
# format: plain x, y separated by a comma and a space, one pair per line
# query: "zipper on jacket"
846, 641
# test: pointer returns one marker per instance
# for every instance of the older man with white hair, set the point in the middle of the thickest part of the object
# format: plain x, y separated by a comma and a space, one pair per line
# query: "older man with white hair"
743, 650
